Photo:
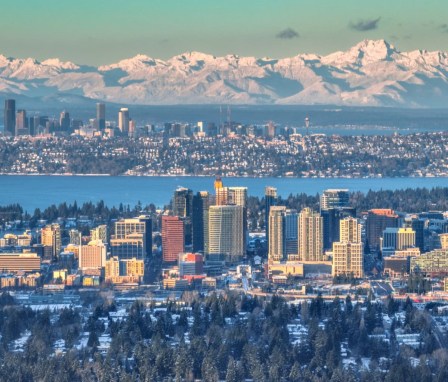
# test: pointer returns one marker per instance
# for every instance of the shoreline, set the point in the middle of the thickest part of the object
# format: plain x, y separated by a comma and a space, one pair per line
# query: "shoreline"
224, 176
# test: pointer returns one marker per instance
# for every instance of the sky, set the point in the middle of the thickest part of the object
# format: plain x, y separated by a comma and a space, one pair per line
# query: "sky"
96, 32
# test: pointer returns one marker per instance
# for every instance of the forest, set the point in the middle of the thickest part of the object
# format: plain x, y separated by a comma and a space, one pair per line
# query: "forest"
223, 337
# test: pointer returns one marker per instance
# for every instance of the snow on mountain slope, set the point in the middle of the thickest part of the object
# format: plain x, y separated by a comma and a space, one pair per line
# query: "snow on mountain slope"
373, 72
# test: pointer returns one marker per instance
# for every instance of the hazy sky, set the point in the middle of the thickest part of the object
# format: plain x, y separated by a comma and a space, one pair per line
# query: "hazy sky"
104, 31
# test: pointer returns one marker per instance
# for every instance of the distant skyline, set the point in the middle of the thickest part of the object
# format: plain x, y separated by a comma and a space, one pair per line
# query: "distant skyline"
105, 31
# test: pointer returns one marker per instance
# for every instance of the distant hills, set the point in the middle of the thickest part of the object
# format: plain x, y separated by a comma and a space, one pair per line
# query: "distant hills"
371, 73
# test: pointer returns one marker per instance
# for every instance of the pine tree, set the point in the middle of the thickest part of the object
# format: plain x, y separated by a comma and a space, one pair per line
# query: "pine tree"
209, 370
295, 374
231, 374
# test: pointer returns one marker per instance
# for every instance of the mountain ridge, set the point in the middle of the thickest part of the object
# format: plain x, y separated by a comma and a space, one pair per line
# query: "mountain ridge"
371, 73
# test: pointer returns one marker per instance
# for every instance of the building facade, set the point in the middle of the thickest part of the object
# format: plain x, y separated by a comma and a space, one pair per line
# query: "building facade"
334, 198
377, 221
226, 232
201, 204
9, 117
51, 240
310, 236
92, 255
277, 242
348, 253
173, 238
101, 115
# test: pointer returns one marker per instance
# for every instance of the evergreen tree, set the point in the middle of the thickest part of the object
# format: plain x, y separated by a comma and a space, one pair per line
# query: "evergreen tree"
232, 372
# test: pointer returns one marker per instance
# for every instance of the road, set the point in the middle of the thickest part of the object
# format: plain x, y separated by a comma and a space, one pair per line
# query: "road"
440, 337
381, 289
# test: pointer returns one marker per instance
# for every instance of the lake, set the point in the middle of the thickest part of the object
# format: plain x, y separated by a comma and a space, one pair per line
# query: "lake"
41, 191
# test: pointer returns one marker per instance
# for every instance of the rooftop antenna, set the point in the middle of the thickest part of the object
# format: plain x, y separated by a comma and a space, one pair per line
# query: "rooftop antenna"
307, 125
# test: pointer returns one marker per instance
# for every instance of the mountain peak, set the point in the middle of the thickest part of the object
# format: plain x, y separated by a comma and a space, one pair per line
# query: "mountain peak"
57, 63
363, 53
379, 49
195, 56
141, 57
374, 44
137, 63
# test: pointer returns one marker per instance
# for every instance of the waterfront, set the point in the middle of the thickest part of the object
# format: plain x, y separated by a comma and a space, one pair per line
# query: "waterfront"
41, 191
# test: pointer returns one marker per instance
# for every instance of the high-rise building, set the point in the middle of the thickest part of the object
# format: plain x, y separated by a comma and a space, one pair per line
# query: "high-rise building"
418, 225
51, 240
133, 238
75, 237
147, 220
31, 129
132, 129
221, 196
123, 120
92, 255
348, 259
21, 123
350, 230
348, 256
377, 221
270, 130
237, 196
173, 238
310, 235
331, 218
182, 206
270, 199
229, 195
277, 242
101, 115
64, 121
39, 124
132, 246
398, 238
201, 203
335, 198
291, 232
9, 118
220, 192
178, 130
226, 232
232, 196
100, 233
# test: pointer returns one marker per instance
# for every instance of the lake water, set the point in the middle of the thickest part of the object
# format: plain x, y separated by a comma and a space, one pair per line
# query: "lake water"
41, 191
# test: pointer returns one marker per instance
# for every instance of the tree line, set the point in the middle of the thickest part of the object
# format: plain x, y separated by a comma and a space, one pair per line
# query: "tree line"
227, 337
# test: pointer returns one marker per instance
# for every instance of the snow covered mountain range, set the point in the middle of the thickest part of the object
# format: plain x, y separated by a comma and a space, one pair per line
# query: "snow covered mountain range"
371, 73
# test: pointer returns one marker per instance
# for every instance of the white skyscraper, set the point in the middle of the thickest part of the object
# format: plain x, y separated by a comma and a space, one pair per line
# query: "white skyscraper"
123, 120
310, 236
277, 247
226, 232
